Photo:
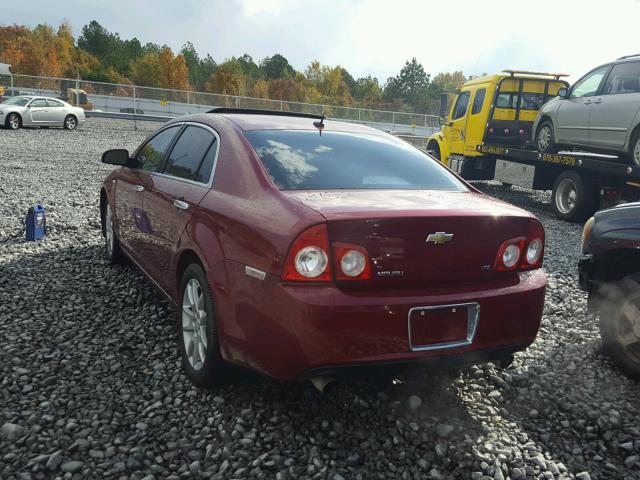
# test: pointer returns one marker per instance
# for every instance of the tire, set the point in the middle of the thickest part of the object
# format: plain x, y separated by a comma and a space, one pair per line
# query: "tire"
545, 139
113, 252
70, 122
197, 330
13, 122
573, 197
620, 325
634, 148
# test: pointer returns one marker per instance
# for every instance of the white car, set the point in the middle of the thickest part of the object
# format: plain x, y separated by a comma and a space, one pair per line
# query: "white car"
31, 111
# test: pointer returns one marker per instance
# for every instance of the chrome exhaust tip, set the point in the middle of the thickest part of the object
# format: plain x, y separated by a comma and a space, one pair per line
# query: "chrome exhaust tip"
322, 382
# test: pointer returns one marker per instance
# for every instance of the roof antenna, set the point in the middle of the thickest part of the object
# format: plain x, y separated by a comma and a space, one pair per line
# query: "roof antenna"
320, 125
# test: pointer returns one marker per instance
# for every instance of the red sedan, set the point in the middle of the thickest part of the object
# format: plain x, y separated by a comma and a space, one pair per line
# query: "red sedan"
298, 246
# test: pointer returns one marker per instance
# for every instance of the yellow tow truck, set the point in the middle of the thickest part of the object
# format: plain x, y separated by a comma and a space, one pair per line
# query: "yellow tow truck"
487, 135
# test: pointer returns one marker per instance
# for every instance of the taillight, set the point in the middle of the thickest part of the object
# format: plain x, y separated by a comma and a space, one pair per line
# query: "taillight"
351, 262
509, 254
522, 253
535, 246
308, 258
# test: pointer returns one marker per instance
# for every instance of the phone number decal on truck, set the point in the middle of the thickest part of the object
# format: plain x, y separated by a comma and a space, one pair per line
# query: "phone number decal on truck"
559, 159
492, 149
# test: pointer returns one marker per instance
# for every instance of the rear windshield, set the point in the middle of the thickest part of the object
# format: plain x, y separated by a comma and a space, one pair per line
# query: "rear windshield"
304, 160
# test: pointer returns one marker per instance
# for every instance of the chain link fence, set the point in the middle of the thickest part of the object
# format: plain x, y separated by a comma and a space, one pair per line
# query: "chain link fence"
160, 102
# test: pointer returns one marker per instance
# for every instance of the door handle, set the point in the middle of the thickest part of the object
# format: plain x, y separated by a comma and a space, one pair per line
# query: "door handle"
598, 101
181, 204
588, 102
139, 188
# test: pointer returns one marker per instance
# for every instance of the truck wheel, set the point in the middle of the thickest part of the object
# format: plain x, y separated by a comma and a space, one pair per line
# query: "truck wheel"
620, 325
573, 197
434, 150
545, 140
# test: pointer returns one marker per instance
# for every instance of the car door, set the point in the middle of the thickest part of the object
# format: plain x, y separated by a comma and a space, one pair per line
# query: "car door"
476, 121
131, 223
456, 127
38, 111
613, 111
572, 121
57, 112
174, 196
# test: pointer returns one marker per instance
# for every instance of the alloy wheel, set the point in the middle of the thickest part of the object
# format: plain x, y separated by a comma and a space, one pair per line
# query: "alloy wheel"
544, 138
566, 196
70, 123
14, 122
636, 152
194, 324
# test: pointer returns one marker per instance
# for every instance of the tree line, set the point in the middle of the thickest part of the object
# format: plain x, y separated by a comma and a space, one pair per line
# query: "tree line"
100, 55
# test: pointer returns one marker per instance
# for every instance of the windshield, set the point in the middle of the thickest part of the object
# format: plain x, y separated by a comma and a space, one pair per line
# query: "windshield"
305, 160
19, 101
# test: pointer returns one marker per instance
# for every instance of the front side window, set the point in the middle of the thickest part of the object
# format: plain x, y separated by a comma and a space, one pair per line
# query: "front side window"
151, 155
461, 105
187, 154
588, 85
304, 160
40, 102
624, 78
478, 101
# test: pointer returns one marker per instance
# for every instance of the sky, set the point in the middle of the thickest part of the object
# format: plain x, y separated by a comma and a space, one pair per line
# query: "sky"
368, 37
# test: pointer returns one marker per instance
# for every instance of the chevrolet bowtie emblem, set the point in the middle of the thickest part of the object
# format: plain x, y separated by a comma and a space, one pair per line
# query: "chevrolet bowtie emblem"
439, 237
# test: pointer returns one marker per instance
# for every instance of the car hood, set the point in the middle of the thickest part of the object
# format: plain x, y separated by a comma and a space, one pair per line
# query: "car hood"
341, 204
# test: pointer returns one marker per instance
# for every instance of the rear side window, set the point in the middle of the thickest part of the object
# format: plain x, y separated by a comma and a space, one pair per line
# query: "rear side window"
187, 154
204, 172
461, 105
151, 155
624, 78
304, 160
53, 103
478, 101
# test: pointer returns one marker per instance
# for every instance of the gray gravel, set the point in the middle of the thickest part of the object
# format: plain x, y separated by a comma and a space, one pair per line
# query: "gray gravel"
91, 385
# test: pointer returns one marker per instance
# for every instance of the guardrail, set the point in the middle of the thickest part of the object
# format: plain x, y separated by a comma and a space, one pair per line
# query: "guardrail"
127, 98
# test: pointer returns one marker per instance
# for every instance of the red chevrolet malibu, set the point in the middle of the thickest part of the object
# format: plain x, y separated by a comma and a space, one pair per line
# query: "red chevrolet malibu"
298, 246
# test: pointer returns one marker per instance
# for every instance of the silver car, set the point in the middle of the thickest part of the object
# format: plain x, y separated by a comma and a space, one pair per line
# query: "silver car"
28, 111
600, 113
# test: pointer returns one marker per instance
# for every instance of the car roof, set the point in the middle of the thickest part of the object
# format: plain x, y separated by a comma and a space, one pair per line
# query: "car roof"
249, 122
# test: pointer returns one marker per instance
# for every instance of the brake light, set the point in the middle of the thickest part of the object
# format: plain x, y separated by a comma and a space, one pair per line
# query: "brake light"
351, 262
308, 258
522, 253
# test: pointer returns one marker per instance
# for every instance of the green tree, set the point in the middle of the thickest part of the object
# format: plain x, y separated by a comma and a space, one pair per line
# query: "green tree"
410, 85
200, 69
276, 66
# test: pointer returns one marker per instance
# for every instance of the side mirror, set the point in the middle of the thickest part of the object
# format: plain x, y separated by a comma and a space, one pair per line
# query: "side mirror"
563, 93
444, 121
118, 156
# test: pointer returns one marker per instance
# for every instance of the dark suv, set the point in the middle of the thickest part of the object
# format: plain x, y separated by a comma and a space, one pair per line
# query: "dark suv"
610, 272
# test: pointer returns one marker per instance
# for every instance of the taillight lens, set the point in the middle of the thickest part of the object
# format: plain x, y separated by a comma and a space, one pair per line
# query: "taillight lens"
308, 258
351, 262
535, 246
522, 253
509, 254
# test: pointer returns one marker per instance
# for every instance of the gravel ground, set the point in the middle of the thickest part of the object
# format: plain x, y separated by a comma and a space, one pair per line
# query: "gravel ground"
91, 384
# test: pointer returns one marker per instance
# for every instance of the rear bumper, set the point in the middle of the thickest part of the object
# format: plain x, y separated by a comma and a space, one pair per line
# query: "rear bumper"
300, 329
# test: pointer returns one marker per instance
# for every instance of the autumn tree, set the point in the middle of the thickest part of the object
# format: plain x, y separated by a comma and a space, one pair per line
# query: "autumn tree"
227, 81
